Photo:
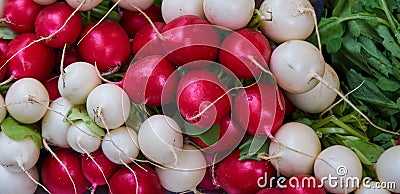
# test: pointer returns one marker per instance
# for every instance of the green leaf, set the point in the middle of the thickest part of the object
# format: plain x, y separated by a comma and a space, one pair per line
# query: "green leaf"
6, 33
367, 151
389, 42
19, 131
80, 113
157, 3
137, 116
331, 32
245, 148
208, 136
387, 84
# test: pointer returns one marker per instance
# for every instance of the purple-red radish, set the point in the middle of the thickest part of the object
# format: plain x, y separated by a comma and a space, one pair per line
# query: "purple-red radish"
18, 182
145, 180
239, 46
35, 61
27, 100
257, 109
20, 15
57, 177
50, 23
54, 127
147, 38
303, 184
98, 172
232, 14
18, 155
86, 6
272, 190
190, 38
236, 176
151, 81
3, 45
172, 9
208, 181
44, 2
133, 21
51, 85
134, 5
196, 92
107, 45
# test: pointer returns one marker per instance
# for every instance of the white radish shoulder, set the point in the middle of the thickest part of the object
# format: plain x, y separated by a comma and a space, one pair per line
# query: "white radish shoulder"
171, 9
18, 182
82, 139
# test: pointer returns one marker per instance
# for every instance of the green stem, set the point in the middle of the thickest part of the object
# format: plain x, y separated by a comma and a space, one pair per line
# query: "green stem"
394, 24
339, 123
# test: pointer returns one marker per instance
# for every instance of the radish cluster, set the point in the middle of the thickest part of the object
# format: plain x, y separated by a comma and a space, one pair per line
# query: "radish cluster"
164, 97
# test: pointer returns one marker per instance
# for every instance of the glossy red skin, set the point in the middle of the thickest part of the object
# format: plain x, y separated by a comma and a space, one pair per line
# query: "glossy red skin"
144, 36
238, 46
230, 135
292, 188
151, 81
237, 177
270, 191
51, 85
55, 177
124, 181
195, 89
190, 38
133, 21
254, 110
4, 45
107, 44
71, 56
207, 182
92, 172
53, 17
22, 14
35, 61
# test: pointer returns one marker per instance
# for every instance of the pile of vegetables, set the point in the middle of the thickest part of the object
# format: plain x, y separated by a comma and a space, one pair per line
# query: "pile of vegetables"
151, 96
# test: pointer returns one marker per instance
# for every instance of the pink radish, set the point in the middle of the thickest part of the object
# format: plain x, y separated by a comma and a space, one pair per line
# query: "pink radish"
133, 21
190, 38
143, 181
35, 61
52, 18
239, 46
245, 176
196, 91
107, 45
98, 172
172, 9
151, 81
257, 109
51, 85
147, 39
303, 184
20, 15
57, 178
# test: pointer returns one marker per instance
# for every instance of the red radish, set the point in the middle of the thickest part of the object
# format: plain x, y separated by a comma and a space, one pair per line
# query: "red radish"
52, 18
272, 190
125, 182
190, 38
55, 177
303, 184
147, 39
257, 109
133, 21
230, 135
196, 91
93, 173
36, 61
20, 15
51, 85
151, 81
71, 56
207, 182
239, 46
3, 45
107, 45
246, 176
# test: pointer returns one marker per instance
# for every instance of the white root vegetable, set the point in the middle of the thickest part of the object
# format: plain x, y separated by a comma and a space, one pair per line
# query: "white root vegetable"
81, 139
44, 2
372, 187
27, 100
295, 64
294, 149
188, 172
341, 163
159, 138
121, 145
287, 20
3, 110
387, 168
87, 5
171, 9
18, 182
108, 105
232, 14
77, 81
14, 154
54, 127
320, 97
132, 5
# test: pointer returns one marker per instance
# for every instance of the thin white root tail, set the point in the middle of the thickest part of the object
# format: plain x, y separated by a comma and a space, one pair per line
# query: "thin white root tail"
30, 177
